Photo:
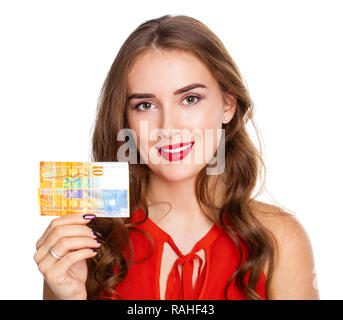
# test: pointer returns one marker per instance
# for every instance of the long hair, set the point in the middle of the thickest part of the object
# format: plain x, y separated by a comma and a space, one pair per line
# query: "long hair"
243, 162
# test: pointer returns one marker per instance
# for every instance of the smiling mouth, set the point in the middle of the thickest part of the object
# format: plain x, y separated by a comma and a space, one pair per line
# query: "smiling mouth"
175, 148
175, 152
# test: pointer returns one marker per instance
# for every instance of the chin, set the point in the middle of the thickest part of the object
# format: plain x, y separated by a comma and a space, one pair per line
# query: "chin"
175, 173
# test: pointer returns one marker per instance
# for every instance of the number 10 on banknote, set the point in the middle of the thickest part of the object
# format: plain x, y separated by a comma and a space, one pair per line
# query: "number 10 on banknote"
100, 188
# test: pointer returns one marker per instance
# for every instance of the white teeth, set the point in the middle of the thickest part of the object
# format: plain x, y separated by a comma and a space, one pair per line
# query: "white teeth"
177, 150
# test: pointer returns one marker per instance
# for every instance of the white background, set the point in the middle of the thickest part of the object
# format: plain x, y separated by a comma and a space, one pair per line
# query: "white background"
54, 58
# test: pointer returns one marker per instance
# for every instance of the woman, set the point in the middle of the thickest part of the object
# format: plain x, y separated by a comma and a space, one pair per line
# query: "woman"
215, 241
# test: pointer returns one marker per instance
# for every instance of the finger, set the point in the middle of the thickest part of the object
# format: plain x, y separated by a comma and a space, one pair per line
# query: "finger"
60, 232
65, 245
45, 264
75, 218
52, 268
71, 258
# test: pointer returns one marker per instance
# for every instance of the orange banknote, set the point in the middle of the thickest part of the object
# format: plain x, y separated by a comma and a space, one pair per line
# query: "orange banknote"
100, 188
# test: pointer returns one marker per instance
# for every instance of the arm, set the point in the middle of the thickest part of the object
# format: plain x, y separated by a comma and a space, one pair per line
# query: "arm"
293, 277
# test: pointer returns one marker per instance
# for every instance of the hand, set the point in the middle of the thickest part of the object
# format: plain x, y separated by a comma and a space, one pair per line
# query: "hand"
70, 238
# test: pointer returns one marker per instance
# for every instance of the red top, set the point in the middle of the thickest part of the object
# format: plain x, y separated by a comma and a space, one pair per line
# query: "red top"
222, 259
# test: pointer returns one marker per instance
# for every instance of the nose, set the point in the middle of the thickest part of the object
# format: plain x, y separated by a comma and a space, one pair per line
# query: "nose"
170, 122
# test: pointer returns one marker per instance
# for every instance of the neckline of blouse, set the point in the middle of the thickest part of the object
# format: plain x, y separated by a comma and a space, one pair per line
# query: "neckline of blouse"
202, 243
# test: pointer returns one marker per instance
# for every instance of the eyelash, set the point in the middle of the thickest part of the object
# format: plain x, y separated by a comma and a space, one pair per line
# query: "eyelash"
195, 96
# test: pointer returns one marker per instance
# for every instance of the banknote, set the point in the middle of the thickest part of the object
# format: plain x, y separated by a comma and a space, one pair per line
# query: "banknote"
100, 188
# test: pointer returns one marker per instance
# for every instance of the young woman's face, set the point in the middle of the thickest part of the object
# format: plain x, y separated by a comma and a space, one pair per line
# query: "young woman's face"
172, 99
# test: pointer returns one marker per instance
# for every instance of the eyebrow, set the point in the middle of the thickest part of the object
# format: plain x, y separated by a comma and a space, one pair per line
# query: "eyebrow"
179, 91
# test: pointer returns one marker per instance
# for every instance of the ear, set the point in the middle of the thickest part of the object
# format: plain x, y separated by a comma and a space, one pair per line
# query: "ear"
230, 104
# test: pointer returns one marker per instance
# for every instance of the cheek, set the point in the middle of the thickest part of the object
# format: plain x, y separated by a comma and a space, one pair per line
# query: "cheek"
143, 136
208, 115
138, 125
210, 125
206, 122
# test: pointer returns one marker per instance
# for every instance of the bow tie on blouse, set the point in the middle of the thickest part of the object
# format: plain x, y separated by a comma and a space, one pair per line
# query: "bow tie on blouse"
181, 288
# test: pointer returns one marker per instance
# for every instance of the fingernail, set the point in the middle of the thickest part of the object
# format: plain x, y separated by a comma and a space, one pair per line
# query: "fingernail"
97, 234
89, 216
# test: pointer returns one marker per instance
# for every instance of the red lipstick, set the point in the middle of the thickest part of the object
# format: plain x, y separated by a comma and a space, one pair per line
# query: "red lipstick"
169, 152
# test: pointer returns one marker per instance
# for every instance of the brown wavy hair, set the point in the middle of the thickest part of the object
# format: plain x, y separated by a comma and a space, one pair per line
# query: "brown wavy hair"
243, 162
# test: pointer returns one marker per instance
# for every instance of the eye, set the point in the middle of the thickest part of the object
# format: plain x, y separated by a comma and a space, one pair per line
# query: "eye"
144, 104
191, 99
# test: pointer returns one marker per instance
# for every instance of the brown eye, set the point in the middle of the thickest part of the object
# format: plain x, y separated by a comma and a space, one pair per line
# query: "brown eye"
191, 99
146, 106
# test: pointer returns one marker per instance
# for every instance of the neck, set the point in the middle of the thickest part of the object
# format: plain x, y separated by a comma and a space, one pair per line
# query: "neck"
185, 209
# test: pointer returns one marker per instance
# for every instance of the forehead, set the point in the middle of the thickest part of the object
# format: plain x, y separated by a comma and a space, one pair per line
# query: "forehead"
156, 70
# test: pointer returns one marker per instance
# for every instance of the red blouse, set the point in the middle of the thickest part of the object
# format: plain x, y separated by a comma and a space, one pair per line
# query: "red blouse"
222, 258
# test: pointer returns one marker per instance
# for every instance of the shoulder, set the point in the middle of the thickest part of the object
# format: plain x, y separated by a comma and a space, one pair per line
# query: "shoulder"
293, 274
283, 225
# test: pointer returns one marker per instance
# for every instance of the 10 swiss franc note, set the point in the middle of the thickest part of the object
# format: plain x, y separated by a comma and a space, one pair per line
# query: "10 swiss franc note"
100, 188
